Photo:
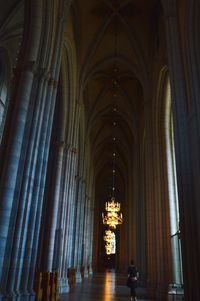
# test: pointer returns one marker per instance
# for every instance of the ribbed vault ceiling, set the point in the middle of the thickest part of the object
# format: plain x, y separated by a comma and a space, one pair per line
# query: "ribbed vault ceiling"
116, 41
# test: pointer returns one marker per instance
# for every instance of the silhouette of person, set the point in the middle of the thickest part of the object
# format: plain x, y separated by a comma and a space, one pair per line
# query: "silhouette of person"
133, 275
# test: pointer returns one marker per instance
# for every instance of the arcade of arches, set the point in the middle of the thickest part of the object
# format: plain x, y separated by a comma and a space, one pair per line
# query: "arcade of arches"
79, 82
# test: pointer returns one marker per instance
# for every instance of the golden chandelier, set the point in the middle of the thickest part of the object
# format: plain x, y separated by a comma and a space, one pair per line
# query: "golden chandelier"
112, 217
109, 238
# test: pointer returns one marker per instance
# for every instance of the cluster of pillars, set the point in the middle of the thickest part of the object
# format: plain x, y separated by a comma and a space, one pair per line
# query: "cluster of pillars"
23, 205
24, 168
182, 37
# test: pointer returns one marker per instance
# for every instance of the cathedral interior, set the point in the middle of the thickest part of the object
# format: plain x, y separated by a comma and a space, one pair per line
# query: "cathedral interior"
99, 106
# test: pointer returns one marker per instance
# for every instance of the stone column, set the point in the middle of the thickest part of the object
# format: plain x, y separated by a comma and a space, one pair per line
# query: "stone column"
150, 204
25, 168
89, 235
191, 33
60, 181
183, 150
67, 219
42, 158
77, 234
157, 204
89, 220
12, 175
53, 212
142, 231
85, 246
81, 225
25, 200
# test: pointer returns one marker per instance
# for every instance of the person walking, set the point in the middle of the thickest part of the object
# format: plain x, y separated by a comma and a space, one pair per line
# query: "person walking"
133, 276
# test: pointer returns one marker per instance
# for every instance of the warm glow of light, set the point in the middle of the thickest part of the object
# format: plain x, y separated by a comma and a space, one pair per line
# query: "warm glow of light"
110, 240
109, 287
112, 205
113, 217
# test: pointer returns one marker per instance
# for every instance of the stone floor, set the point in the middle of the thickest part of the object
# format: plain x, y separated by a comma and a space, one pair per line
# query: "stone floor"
106, 287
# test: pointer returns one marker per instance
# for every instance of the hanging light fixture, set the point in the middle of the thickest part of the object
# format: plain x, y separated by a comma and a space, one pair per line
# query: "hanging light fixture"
113, 217
110, 240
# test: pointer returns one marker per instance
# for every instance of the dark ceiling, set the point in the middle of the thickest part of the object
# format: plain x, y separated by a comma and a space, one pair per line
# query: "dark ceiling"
117, 44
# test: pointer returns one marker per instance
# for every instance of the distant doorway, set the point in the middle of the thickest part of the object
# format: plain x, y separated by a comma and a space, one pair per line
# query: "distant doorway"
110, 261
